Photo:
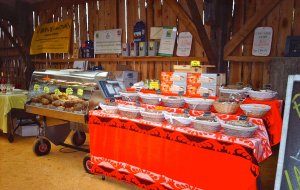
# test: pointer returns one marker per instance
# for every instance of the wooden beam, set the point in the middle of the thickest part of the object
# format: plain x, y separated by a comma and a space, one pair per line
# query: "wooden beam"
197, 20
249, 26
184, 18
248, 59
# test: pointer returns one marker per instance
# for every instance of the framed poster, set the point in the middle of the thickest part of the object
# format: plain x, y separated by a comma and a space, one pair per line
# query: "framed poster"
108, 41
288, 166
184, 44
262, 41
167, 41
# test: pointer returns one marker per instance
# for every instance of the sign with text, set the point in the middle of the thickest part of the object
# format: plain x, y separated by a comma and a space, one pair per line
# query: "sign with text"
288, 167
262, 41
51, 38
108, 41
184, 44
167, 41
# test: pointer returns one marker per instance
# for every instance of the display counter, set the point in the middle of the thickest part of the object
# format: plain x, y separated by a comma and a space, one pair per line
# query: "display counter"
159, 156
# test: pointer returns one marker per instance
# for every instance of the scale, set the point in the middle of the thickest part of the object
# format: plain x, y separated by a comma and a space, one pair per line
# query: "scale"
109, 88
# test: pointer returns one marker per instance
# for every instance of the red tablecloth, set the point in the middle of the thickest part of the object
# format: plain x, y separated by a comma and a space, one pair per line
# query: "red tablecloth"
159, 156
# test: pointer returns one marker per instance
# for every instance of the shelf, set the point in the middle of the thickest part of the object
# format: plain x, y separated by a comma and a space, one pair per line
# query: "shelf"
121, 59
249, 58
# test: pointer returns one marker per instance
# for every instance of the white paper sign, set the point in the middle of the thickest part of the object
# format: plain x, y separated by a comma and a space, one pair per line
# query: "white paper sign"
262, 41
184, 44
167, 41
108, 41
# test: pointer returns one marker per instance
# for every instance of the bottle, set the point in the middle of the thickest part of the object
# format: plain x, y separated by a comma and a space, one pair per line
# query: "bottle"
89, 50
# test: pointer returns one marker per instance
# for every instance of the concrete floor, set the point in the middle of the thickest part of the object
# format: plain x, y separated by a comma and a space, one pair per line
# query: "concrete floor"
20, 168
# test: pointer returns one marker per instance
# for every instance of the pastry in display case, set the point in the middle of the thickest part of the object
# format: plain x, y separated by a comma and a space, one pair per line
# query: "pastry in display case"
70, 91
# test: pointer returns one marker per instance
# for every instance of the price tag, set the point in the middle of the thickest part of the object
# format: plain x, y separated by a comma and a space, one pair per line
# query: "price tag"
69, 91
138, 103
180, 93
158, 91
46, 90
80, 92
205, 95
154, 85
195, 63
207, 113
243, 117
36, 87
186, 111
112, 100
57, 92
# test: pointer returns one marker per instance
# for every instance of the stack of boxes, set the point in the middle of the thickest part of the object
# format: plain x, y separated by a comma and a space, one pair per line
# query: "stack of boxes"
191, 83
173, 82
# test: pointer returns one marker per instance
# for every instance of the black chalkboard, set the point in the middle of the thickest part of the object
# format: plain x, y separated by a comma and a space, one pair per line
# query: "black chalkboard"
288, 167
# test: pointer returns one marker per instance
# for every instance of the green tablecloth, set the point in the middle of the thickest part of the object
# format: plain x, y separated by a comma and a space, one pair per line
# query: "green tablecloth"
7, 102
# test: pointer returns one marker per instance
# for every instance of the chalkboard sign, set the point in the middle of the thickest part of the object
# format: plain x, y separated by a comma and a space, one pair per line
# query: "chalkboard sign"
288, 167
292, 46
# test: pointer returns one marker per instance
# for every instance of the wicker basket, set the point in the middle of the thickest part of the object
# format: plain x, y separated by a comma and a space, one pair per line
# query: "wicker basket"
129, 111
153, 115
255, 110
237, 131
110, 109
178, 120
173, 101
207, 126
226, 107
199, 103
262, 94
151, 99
129, 96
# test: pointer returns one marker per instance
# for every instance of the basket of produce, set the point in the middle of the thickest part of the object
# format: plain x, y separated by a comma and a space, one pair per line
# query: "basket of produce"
180, 120
173, 101
206, 123
132, 112
226, 107
239, 128
110, 108
199, 103
153, 115
151, 99
262, 94
255, 110
129, 96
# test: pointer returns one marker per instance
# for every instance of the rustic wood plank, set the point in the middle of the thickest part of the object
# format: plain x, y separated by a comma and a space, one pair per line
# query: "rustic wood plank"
158, 22
150, 23
235, 74
296, 26
273, 21
285, 24
197, 19
249, 26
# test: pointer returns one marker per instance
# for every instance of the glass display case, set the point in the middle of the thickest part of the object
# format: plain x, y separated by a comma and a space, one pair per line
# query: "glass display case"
64, 94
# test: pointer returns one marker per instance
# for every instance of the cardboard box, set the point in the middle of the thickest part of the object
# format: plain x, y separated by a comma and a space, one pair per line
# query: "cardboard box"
28, 130
206, 78
189, 69
198, 89
173, 77
170, 87
126, 75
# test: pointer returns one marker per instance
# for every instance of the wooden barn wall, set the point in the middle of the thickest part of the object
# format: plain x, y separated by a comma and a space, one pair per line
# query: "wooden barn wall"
12, 65
283, 22
109, 14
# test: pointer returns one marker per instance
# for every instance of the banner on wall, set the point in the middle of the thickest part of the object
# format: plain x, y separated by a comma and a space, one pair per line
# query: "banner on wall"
51, 38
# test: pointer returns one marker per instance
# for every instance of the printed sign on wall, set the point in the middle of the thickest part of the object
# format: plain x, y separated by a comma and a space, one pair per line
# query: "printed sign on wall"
167, 41
184, 44
262, 41
108, 41
51, 38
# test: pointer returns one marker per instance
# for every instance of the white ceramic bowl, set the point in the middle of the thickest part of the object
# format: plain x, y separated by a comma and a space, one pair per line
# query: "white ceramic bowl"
199, 103
255, 110
262, 94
